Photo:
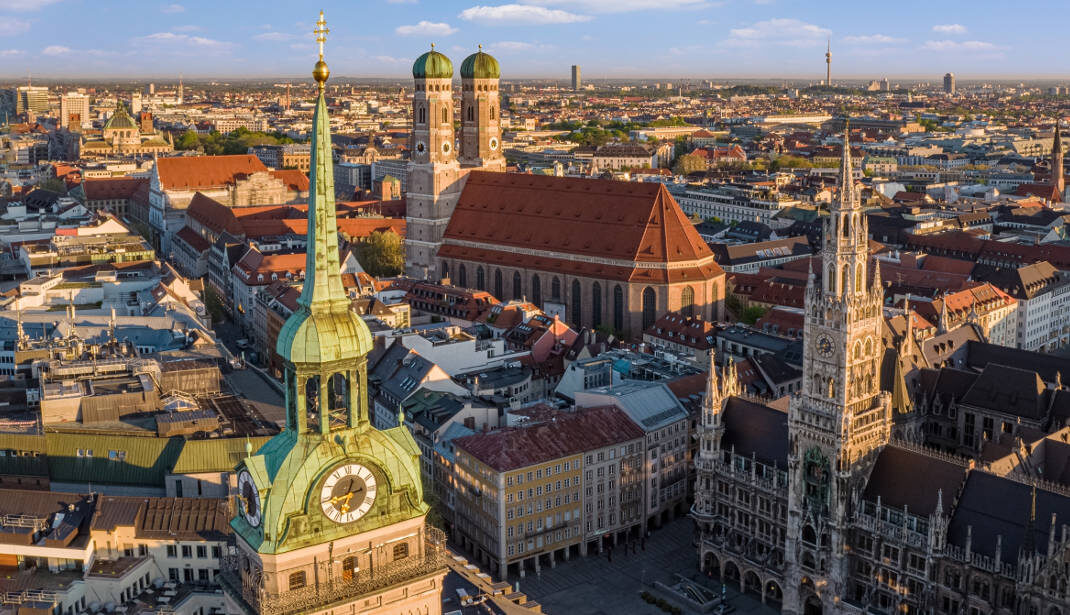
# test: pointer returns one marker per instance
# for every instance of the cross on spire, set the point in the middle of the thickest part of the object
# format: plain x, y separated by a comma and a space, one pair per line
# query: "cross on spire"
321, 32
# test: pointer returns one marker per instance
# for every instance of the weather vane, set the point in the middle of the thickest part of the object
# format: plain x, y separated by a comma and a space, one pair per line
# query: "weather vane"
321, 32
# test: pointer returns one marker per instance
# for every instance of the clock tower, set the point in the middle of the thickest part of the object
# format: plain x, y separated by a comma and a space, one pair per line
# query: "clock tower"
330, 511
840, 419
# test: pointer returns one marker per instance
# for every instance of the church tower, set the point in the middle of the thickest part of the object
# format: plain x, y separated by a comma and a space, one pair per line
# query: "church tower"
1057, 180
841, 419
435, 179
330, 511
481, 133
719, 387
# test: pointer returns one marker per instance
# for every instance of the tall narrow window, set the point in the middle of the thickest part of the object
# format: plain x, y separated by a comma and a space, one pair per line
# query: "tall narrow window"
491, 111
650, 307
498, 294
462, 276
445, 116
423, 115
555, 288
577, 304
536, 290
687, 301
596, 305
518, 285
349, 567
471, 113
618, 309
481, 278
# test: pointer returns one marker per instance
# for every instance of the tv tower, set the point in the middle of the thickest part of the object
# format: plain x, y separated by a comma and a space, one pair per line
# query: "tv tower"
828, 64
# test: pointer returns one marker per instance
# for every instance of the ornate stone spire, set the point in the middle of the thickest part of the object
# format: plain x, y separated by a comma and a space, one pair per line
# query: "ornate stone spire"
846, 184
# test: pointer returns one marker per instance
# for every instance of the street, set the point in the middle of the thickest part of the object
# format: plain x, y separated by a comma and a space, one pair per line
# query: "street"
249, 382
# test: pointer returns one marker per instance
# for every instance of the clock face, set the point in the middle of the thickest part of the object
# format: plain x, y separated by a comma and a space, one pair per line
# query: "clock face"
348, 493
493, 143
420, 147
250, 498
824, 346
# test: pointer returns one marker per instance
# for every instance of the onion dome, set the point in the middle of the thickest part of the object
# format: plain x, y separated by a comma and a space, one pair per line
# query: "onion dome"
480, 65
432, 65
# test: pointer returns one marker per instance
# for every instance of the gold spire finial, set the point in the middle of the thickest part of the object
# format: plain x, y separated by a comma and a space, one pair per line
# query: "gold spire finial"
480, 46
432, 46
320, 72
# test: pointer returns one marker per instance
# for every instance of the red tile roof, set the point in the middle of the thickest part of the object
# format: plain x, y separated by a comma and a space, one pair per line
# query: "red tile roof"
293, 178
204, 172
101, 189
193, 240
585, 219
566, 434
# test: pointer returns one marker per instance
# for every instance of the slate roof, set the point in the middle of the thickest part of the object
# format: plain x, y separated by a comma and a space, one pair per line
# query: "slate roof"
995, 506
1049, 366
902, 477
753, 428
1009, 390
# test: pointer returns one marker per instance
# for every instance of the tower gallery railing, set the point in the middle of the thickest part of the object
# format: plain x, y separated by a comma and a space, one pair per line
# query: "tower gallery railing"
329, 591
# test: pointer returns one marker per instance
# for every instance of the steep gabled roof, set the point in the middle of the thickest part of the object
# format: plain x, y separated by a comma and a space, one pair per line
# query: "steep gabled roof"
627, 222
206, 172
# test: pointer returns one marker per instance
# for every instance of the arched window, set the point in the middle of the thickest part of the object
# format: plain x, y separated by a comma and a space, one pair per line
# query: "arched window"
846, 221
349, 567
650, 307
423, 115
445, 115
846, 279
445, 269
481, 278
618, 309
491, 111
312, 403
555, 288
498, 294
596, 305
577, 304
830, 281
858, 279
462, 276
338, 400
518, 290
687, 301
536, 290
471, 113
401, 550
297, 580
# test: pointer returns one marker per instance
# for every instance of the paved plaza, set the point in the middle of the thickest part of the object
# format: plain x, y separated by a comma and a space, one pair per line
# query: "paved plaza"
593, 585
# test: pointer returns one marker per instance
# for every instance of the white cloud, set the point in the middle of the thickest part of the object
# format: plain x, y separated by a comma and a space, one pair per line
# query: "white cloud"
426, 28
951, 28
11, 26
184, 41
510, 46
274, 36
56, 50
25, 5
624, 6
173, 8
873, 39
778, 32
519, 14
391, 59
10, 53
946, 45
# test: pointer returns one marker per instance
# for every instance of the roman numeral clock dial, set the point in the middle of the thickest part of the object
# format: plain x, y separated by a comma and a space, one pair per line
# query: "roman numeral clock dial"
348, 493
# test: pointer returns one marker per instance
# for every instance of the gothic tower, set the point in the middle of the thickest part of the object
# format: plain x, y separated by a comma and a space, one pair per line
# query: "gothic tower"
330, 510
719, 387
481, 133
435, 179
840, 419
1057, 163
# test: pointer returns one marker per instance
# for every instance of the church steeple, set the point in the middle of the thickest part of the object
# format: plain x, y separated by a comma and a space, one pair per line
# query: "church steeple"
1057, 180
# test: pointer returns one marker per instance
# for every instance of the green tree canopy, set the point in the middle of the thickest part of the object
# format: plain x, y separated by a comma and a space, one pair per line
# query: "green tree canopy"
689, 163
381, 254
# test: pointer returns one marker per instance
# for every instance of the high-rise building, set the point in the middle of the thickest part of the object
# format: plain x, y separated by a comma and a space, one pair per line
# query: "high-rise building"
949, 83
576, 81
435, 176
330, 511
32, 98
135, 103
73, 110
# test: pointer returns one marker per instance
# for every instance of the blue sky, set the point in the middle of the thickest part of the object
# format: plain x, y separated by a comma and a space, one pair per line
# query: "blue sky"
538, 38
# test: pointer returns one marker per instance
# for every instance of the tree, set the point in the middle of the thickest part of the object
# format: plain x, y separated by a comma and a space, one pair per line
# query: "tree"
689, 163
381, 254
188, 140
752, 314
53, 184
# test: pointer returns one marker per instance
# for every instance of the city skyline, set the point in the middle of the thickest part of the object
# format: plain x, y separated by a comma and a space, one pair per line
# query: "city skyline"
532, 38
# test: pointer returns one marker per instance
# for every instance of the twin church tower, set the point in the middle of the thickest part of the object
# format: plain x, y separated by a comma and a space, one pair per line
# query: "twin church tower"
436, 171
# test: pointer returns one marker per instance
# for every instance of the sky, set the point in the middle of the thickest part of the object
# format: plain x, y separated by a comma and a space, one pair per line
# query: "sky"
537, 38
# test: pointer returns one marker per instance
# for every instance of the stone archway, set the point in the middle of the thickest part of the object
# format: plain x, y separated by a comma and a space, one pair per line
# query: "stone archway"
752, 584
813, 606
773, 594
711, 565
731, 574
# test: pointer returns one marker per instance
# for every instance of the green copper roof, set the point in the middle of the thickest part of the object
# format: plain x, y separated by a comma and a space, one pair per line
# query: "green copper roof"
432, 65
323, 328
120, 119
480, 65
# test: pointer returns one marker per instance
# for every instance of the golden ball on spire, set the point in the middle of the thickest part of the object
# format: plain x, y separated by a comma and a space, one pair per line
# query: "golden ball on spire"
320, 73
